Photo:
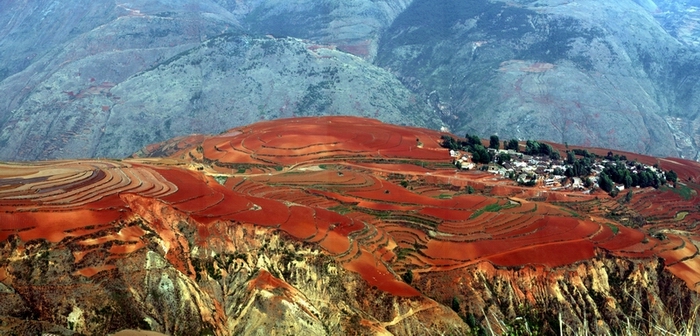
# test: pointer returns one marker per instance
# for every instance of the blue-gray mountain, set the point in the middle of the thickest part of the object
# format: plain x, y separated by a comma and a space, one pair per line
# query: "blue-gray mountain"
581, 72
115, 77
105, 78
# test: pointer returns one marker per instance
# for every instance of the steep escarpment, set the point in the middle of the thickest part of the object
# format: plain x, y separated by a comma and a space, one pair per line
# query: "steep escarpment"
59, 99
30, 32
254, 279
603, 296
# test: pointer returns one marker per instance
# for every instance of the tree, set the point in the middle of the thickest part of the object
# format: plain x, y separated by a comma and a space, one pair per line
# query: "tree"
628, 180
569, 172
494, 142
476, 156
554, 155
570, 157
449, 142
587, 182
671, 176
613, 193
503, 158
583, 152
643, 177
480, 154
472, 139
605, 183
656, 182
512, 144
529, 183
455, 304
581, 167
532, 147
535, 148
546, 149
408, 277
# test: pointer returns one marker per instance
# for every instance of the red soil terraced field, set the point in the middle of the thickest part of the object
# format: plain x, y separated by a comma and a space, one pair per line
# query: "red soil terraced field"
380, 199
325, 140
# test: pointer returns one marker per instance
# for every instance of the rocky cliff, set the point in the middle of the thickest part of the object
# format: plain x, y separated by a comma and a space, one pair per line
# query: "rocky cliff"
606, 295
258, 282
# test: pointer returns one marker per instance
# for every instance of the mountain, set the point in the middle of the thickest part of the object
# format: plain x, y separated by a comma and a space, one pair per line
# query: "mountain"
353, 26
677, 18
590, 72
153, 70
341, 225
228, 80
87, 79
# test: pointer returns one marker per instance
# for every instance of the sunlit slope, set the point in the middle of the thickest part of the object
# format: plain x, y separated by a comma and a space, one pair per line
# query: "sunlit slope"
337, 183
379, 200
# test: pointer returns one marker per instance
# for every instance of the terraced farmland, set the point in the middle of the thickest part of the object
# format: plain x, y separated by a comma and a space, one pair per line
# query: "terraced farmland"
380, 200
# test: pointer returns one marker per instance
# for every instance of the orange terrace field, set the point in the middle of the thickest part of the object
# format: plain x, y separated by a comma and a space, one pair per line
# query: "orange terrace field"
380, 199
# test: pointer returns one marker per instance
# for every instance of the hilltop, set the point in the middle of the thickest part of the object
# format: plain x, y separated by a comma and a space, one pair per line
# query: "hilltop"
338, 225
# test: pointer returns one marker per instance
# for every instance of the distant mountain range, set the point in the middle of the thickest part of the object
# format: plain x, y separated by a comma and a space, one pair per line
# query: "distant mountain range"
104, 78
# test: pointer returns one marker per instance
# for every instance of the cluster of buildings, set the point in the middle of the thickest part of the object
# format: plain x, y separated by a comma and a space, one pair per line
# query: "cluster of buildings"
539, 170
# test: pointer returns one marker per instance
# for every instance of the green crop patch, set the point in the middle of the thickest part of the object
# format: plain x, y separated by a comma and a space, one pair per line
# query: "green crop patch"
495, 207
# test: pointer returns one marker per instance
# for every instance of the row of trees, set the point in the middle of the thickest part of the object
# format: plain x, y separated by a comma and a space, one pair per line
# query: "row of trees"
531, 147
473, 141
480, 154
494, 142
536, 148
621, 173
579, 167
472, 144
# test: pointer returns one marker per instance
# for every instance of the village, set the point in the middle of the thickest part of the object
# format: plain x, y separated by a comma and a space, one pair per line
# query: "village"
554, 173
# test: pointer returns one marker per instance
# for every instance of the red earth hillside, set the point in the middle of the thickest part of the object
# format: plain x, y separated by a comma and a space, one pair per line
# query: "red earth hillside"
379, 199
